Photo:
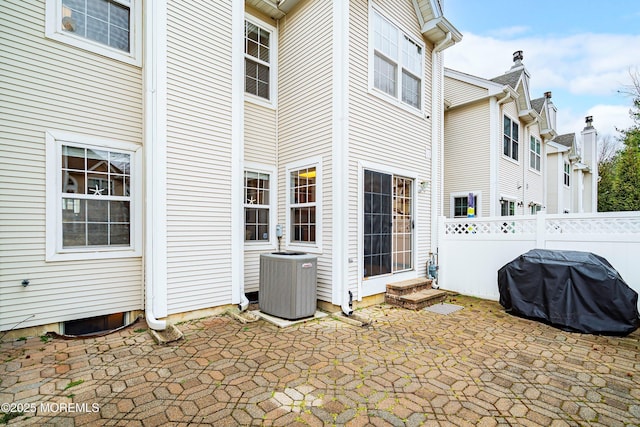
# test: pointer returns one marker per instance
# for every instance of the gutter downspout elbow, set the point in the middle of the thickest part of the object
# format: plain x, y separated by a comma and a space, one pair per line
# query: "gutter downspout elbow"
443, 42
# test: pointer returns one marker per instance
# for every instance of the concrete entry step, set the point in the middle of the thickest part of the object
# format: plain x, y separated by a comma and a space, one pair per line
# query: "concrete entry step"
413, 294
410, 286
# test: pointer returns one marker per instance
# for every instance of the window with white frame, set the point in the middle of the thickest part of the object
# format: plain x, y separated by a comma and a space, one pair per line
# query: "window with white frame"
507, 207
108, 27
567, 174
534, 154
510, 142
91, 190
397, 62
257, 194
303, 205
259, 57
461, 205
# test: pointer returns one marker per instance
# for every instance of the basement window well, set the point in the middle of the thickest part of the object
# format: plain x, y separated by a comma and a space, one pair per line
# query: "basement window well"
94, 325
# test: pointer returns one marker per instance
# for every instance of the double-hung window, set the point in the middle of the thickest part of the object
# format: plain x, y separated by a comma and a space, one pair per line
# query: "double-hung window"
257, 194
567, 174
510, 142
92, 191
534, 154
397, 63
108, 27
259, 60
303, 208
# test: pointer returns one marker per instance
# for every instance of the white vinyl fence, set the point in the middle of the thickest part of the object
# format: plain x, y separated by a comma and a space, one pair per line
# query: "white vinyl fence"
472, 250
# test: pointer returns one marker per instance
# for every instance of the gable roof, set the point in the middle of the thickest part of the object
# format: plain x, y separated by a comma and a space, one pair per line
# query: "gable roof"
537, 104
568, 139
511, 78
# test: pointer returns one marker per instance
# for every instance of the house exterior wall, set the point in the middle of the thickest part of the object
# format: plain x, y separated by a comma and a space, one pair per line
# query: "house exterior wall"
383, 136
458, 92
511, 172
46, 85
554, 165
260, 153
466, 154
533, 181
305, 119
199, 165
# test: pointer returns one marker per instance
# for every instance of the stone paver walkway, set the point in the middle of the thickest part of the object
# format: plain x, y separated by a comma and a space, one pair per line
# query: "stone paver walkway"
477, 366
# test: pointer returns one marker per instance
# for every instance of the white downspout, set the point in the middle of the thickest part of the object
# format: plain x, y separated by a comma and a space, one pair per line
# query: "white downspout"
155, 144
237, 154
437, 138
340, 152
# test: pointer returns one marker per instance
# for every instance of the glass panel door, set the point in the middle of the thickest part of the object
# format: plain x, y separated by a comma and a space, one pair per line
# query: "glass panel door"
388, 224
377, 223
402, 224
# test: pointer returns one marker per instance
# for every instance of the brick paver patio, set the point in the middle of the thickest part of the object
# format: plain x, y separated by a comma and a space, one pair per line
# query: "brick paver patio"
476, 366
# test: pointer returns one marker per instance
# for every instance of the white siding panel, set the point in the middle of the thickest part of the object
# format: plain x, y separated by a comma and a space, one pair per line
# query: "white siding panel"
458, 92
52, 85
198, 155
259, 134
466, 153
511, 173
305, 110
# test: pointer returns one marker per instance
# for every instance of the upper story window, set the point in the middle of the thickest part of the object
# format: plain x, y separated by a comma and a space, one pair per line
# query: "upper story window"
256, 206
397, 63
108, 27
567, 174
302, 202
93, 187
259, 60
534, 154
510, 142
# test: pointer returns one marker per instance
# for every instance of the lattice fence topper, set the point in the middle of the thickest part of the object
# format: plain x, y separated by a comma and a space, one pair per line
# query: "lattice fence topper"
624, 225
496, 226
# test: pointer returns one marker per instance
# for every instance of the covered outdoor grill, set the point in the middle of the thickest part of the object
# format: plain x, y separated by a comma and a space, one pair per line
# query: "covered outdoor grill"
572, 290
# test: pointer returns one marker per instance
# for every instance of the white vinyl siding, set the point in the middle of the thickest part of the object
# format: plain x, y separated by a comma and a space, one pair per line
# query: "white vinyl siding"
458, 92
380, 133
199, 165
259, 134
467, 147
53, 85
305, 101
112, 28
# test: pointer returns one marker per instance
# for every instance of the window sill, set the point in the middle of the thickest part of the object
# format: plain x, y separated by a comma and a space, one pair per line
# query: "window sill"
397, 103
260, 101
92, 255
298, 247
259, 246
511, 159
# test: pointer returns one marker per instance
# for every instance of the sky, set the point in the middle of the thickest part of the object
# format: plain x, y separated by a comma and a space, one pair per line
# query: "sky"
582, 51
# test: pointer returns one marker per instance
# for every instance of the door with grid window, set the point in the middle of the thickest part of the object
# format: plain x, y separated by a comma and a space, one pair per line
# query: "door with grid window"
388, 224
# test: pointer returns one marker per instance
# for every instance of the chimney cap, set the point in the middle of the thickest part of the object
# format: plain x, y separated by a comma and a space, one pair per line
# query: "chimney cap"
588, 120
547, 95
517, 56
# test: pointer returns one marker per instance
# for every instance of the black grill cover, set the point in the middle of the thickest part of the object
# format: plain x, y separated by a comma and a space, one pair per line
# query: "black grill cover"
572, 290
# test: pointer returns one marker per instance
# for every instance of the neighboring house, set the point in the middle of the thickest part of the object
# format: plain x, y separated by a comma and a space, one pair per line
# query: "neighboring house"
497, 140
151, 151
572, 181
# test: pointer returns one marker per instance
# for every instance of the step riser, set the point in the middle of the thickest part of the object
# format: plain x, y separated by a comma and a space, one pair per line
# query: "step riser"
407, 291
414, 305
